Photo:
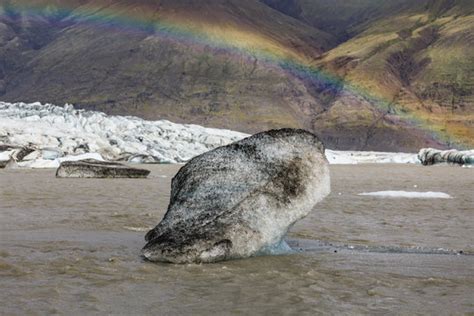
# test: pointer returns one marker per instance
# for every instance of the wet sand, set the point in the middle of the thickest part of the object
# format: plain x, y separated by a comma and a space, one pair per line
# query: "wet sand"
72, 246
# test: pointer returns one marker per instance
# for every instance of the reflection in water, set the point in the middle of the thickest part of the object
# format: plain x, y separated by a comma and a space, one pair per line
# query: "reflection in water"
73, 246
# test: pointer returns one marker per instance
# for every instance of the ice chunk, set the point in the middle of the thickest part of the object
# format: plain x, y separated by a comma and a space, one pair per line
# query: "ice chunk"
408, 194
239, 200
430, 156
94, 156
6, 155
361, 157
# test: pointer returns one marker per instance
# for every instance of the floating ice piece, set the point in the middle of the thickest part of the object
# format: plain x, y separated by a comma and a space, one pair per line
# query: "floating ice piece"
94, 156
137, 229
37, 164
430, 156
365, 157
239, 200
54, 164
408, 194
91, 168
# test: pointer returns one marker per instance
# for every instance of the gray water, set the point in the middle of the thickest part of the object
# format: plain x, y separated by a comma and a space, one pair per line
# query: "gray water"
72, 246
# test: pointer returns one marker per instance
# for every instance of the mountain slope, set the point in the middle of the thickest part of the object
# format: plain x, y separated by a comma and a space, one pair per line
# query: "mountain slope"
342, 18
421, 63
114, 56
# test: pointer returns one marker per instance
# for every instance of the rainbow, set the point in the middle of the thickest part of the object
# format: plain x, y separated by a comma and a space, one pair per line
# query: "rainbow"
149, 21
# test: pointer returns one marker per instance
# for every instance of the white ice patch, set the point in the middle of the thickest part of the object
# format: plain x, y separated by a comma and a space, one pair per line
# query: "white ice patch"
5, 155
94, 156
408, 194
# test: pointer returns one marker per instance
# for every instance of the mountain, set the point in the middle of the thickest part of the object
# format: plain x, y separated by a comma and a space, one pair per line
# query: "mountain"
417, 56
363, 74
342, 18
203, 68
421, 62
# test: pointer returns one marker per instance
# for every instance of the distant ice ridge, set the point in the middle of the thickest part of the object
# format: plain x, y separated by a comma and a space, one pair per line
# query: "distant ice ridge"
60, 132
408, 194
127, 138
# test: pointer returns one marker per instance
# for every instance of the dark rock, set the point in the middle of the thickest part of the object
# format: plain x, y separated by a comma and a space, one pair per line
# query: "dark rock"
240, 200
21, 153
430, 156
91, 168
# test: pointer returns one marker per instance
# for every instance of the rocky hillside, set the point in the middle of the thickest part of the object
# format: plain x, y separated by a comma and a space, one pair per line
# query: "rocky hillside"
422, 63
416, 56
355, 72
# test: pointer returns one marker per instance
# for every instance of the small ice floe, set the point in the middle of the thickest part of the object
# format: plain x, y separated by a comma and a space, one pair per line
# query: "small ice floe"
137, 229
430, 156
369, 157
408, 194
91, 168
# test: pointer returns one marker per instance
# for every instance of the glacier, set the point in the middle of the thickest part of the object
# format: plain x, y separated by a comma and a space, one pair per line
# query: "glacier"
61, 133
73, 132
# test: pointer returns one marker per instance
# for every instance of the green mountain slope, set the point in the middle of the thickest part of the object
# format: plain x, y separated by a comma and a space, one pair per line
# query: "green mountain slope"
421, 62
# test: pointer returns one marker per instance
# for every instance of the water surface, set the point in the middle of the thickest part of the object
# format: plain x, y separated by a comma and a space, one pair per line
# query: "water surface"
72, 246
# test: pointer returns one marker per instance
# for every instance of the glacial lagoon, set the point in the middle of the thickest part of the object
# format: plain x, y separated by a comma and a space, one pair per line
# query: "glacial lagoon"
72, 246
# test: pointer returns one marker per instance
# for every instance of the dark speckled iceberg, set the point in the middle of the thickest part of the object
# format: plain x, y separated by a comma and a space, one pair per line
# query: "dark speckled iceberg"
240, 200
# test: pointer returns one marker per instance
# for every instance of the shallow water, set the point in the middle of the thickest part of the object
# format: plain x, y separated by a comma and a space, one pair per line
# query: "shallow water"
72, 246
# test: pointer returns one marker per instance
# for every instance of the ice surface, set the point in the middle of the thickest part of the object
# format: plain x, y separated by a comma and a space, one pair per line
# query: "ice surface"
64, 132
5, 155
408, 194
74, 132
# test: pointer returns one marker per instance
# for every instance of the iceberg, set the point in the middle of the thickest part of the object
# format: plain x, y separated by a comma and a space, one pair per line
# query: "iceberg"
239, 200
431, 156
366, 157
